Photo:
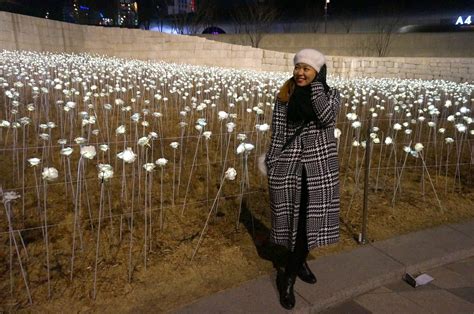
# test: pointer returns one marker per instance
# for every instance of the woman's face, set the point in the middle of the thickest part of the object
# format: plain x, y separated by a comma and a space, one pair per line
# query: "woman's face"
304, 74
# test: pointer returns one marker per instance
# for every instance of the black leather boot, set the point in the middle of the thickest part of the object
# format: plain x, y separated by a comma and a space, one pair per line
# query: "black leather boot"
285, 288
305, 274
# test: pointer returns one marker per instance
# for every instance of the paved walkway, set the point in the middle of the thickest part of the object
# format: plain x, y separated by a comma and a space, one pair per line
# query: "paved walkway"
368, 279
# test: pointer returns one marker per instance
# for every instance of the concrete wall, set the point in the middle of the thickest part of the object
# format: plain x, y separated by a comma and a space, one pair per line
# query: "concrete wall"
19, 32
438, 45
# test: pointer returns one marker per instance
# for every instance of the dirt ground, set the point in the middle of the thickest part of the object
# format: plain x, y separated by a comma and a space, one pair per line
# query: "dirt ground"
226, 258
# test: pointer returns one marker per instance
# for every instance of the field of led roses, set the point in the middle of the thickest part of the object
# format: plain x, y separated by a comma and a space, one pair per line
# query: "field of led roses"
113, 169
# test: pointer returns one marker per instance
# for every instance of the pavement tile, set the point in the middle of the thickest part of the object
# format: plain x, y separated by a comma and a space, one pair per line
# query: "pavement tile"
256, 296
383, 289
402, 286
439, 301
387, 303
428, 248
466, 228
466, 293
348, 274
448, 279
350, 307
464, 268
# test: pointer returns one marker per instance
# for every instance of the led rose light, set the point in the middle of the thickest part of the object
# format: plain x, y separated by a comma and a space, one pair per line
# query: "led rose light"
67, 151
143, 141
230, 174
105, 172
88, 152
149, 166
34, 161
50, 174
127, 155
161, 162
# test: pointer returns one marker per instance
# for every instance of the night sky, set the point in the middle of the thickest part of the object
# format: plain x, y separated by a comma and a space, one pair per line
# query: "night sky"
292, 8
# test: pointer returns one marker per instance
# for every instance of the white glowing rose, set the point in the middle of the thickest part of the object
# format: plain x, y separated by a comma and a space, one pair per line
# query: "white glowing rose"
419, 147
88, 152
153, 135
230, 127
241, 137
431, 124
442, 130
406, 149
161, 162
230, 174
461, 128
450, 118
10, 196
355, 143
120, 130
264, 127
174, 145
248, 147
356, 124
408, 131
241, 148
388, 140
127, 155
49, 174
80, 140
105, 172
34, 161
67, 151
104, 147
449, 140
135, 117
337, 133
397, 126
44, 136
149, 166
62, 141
143, 141
376, 140
351, 116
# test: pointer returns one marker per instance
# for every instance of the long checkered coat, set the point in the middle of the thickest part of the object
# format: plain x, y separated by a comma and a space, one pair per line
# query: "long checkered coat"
316, 150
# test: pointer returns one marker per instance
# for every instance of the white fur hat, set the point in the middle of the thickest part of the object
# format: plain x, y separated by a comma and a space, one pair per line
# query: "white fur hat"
311, 57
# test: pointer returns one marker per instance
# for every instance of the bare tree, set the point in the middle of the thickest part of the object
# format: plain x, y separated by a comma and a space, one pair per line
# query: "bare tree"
191, 23
346, 19
385, 26
314, 15
255, 18
384, 29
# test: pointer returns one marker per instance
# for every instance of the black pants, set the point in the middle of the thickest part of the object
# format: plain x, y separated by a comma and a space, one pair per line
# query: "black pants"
300, 252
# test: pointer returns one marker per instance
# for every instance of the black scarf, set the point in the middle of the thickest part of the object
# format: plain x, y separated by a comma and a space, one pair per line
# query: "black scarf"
299, 105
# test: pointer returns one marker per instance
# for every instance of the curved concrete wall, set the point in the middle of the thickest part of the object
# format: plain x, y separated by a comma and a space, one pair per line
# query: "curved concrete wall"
19, 32
431, 45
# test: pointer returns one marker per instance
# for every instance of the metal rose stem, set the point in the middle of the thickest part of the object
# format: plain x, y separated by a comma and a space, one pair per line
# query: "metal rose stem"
12, 237
101, 206
208, 217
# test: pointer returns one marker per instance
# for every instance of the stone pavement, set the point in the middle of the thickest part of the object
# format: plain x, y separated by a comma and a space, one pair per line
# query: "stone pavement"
368, 279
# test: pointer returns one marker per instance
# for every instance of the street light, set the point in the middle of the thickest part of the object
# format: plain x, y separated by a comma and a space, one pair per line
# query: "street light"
326, 16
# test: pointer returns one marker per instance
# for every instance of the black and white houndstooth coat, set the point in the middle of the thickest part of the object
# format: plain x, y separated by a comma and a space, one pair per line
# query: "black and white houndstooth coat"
316, 150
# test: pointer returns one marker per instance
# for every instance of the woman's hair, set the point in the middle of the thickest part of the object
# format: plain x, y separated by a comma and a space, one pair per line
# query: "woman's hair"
286, 90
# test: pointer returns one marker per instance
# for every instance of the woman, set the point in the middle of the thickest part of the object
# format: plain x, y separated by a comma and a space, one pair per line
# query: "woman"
303, 170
